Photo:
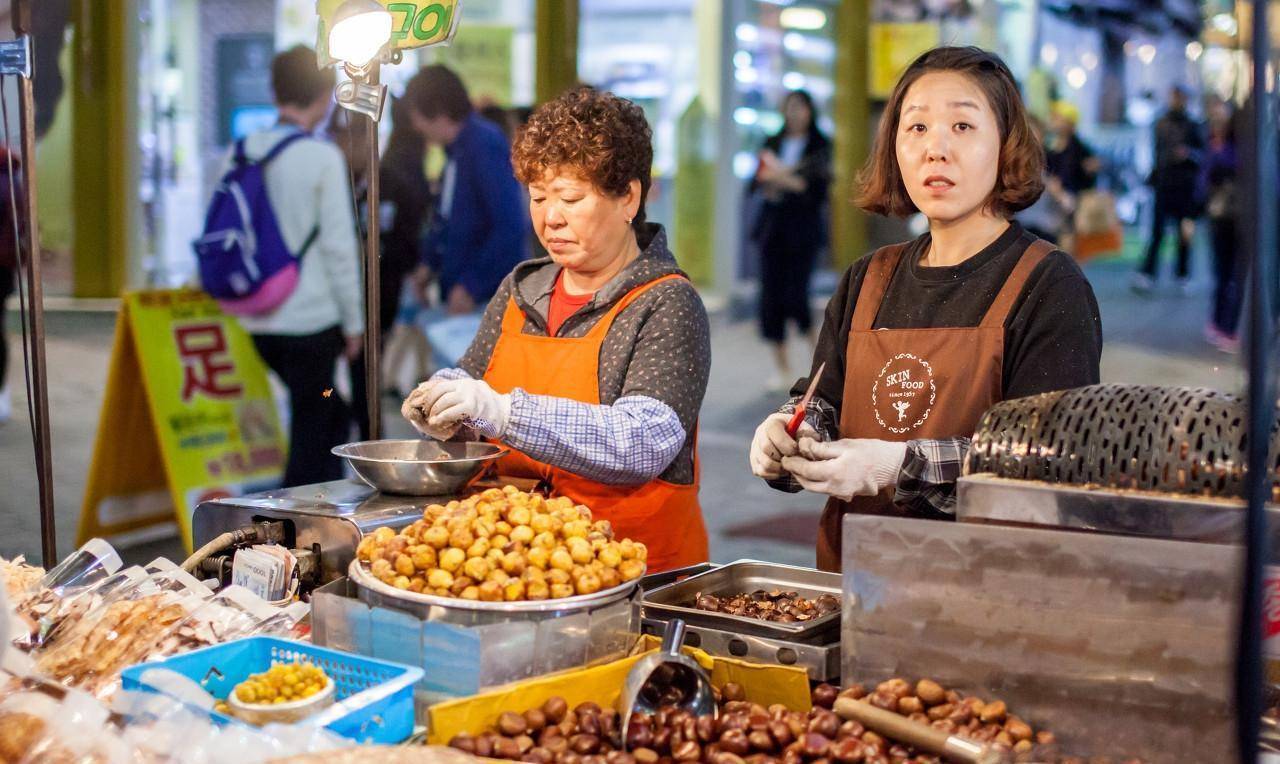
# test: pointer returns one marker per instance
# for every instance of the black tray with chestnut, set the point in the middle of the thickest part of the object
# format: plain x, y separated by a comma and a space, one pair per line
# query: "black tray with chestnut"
749, 733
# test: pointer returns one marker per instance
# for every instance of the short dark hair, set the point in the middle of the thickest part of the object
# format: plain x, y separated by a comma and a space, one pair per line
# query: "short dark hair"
296, 78
437, 90
1019, 181
599, 136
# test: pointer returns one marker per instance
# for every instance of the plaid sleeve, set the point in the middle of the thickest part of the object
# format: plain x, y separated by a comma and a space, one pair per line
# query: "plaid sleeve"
821, 416
628, 443
927, 482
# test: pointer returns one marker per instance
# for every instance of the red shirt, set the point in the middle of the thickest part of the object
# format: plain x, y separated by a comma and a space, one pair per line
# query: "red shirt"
563, 305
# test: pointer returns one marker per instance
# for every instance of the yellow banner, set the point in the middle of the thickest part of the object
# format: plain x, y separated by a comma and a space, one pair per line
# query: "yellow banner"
893, 48
187, 416
413, 24
482, 55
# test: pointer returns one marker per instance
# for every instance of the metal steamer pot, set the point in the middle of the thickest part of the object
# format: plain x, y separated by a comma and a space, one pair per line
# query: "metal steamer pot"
473, 646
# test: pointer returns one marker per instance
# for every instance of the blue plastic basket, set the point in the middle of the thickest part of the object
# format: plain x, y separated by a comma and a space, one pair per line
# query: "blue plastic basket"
373, 698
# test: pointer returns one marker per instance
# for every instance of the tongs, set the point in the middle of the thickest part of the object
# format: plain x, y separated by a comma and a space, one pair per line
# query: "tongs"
667, 678
802, 407
922, 736
1269, 735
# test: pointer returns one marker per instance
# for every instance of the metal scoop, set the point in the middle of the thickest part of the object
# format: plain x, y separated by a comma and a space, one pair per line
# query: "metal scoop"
666, 678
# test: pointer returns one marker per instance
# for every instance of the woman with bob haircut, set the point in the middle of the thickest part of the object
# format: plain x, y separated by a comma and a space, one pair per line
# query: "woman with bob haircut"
590, 364
922, 337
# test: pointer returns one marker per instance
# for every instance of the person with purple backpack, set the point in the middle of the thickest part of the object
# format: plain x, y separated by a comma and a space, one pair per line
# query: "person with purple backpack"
279, 251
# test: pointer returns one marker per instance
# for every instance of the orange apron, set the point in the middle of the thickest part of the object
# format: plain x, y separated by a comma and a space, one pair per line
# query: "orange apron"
905, 384
664, 516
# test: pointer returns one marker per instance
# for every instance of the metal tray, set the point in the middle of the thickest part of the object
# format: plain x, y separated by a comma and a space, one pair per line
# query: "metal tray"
821, 661
744, 577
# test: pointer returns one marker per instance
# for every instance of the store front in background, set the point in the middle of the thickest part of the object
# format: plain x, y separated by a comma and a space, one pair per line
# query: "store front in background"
711, 78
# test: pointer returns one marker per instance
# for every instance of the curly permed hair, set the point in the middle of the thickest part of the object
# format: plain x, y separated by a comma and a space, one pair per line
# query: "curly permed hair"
595, 135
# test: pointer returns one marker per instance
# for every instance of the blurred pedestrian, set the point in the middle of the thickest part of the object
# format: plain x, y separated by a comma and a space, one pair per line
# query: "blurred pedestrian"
1068, 158
323, 318
8, 270
1049, 215
406, 203
1221, 164
793, 177
500, 118
403, 199
1178, 147
478, 229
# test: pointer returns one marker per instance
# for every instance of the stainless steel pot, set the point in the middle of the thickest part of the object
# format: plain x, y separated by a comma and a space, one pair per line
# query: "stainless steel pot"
468, 647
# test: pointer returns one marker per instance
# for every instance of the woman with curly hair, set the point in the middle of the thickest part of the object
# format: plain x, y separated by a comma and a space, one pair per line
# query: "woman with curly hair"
922, 337
590, 364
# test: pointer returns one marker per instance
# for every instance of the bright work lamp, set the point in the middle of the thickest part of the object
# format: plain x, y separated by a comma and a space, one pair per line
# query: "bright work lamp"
360, 29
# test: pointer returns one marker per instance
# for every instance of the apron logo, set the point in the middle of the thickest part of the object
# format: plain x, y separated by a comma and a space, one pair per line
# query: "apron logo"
903, 393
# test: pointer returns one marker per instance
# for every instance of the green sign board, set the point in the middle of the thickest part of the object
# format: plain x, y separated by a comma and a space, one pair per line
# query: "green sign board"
414, 24
418, 24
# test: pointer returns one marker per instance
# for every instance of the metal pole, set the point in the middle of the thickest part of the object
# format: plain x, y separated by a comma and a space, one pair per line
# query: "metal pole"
1261, 240
372, 282
39, 392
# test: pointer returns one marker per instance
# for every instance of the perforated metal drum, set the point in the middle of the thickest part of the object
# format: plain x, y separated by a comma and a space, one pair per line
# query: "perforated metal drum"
1171, 439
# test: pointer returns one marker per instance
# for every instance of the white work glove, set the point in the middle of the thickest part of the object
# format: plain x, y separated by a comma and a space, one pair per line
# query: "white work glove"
771, 443
846, 468
417, 407
453, 401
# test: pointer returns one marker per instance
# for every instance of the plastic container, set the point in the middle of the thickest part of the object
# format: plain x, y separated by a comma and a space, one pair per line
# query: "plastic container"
374, 698
282, 713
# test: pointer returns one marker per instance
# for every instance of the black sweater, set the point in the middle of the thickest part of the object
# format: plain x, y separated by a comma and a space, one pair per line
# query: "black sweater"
1053, 337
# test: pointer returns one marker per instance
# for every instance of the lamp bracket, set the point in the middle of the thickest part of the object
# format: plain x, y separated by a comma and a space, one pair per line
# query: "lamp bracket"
15, 56
359, 96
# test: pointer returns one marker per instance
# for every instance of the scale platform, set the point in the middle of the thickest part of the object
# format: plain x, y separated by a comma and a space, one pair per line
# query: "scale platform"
327, 518
332, 517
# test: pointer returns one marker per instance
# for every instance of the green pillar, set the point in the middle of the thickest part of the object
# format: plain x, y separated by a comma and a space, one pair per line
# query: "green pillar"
556, 47
852, 116
103, 197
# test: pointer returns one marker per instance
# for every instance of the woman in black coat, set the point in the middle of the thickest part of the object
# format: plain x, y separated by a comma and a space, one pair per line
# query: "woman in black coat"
793, 178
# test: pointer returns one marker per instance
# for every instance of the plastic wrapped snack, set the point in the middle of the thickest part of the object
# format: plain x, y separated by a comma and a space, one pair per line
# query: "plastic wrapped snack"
124, 630
46, 615
19, 577
65, 592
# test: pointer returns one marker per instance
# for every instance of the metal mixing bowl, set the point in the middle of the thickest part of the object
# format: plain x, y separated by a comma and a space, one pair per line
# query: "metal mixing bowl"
419, 467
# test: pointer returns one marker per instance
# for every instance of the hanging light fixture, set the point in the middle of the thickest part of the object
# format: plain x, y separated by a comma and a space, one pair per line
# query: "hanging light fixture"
360, 29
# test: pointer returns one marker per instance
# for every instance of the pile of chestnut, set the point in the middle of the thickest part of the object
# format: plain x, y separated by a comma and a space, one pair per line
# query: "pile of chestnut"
748, 733
777, 605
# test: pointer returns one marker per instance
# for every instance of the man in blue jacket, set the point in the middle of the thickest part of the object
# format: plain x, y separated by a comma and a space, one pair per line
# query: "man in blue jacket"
479, 229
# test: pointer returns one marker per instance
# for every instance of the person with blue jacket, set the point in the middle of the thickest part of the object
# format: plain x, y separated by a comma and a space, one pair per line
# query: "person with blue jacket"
479, 229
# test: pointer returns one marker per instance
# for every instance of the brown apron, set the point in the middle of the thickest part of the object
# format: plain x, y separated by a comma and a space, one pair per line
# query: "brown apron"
905, 384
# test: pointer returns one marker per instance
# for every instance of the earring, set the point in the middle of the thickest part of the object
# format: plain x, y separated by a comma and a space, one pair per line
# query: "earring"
628, 221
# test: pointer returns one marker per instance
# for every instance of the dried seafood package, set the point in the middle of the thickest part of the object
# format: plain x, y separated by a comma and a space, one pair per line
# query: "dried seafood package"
19, 577
66, 592
46, 615
121, 632
233, 613
36, 728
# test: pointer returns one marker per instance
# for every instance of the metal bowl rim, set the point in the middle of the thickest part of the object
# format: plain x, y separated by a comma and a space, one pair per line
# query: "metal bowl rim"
360, 577
340, 451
